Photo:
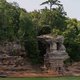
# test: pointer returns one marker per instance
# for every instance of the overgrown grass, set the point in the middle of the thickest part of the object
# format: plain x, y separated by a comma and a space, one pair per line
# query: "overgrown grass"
55, 78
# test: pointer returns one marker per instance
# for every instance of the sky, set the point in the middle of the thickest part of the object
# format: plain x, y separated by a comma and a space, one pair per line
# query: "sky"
70, 6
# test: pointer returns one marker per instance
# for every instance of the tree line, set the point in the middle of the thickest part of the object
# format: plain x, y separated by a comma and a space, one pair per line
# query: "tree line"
18, 24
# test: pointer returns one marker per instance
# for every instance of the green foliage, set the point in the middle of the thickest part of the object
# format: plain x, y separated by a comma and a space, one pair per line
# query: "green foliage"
54, 19
27, 34
51, 3
18, 24
15, 24
9, 21
72, 39
56, 32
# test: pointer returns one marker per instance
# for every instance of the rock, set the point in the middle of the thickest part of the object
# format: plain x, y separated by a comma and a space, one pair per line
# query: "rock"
55, 52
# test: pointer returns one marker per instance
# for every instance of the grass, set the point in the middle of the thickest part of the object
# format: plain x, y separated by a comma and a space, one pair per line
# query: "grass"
55, 78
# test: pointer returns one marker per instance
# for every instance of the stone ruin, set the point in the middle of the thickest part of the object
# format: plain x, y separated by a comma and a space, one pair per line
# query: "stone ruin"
12, 57
55, 52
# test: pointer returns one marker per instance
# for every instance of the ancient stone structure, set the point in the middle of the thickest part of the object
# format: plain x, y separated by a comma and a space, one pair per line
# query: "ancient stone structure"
55, 52
12, 57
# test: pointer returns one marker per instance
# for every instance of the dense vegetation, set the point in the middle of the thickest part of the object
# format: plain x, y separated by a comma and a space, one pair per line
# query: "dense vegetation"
18, 24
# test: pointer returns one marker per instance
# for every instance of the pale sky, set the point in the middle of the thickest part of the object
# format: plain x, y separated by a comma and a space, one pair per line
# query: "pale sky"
70, 6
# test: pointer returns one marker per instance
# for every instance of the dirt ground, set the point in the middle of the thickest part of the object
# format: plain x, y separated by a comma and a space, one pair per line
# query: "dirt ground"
29, 74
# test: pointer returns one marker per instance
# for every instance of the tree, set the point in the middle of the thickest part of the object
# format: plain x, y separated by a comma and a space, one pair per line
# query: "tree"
51, 3
27, 36
72, 39
56, 16
16, 25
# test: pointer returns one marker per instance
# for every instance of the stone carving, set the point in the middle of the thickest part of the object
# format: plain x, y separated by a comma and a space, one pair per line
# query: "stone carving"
55, 52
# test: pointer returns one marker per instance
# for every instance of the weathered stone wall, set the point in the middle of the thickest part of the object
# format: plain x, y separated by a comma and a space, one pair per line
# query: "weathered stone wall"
12, 48
12, 56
